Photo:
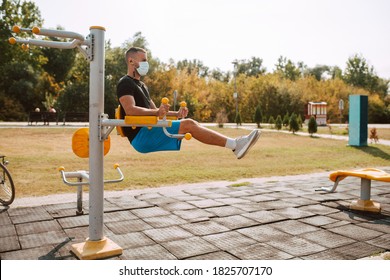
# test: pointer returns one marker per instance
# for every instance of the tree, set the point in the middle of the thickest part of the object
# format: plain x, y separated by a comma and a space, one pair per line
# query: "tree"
271, 121
286, 119
258, 116
359, 73
278, 122
312, 126
251, 67
287, 69
294, 126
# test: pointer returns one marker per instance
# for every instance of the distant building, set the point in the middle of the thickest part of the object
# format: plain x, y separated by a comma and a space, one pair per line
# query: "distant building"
317, 110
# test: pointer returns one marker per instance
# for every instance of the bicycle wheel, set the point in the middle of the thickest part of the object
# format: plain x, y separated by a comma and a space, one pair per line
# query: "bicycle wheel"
7, 189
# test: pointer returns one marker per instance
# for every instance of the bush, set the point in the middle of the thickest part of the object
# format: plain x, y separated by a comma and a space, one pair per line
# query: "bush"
271, 121
258, 116
278, 122
294, 125
312, 125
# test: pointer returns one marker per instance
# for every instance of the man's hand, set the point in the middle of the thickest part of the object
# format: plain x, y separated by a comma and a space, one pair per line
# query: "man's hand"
183, 112
163, 110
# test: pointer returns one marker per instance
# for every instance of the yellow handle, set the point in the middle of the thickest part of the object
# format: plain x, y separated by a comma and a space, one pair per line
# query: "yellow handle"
165, 101
12, 41
116, 165
187, 136
16, 29
61, 168
36, 30
183, 104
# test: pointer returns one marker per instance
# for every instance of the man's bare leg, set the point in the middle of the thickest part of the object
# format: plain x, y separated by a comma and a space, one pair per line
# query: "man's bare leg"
202, 134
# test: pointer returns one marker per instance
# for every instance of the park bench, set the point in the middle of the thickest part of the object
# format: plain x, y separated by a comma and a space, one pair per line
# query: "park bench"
75, 117
50, 117
367, 175
35, 117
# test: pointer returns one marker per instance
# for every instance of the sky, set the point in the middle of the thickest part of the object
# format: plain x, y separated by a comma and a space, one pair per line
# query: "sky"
217, 32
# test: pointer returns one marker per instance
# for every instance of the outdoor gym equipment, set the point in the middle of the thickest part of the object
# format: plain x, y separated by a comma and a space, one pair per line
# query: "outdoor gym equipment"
364, 203
94, 141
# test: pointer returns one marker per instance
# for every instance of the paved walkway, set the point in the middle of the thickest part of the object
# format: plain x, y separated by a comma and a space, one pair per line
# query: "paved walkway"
267, 218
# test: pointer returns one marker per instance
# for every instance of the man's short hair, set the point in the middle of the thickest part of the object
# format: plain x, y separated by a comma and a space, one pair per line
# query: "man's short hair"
131, 51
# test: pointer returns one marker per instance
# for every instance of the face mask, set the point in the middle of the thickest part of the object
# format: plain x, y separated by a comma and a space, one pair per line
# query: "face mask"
143, 68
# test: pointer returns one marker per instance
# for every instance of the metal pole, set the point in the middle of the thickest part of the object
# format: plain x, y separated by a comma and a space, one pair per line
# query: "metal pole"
96, 109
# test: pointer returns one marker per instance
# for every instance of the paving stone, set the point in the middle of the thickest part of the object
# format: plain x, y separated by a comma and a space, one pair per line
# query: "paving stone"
294, 227
204, 228
126, 203
76, 221
167, 234
189, 247
293, 213
41, 239
160, 200
153, 252
35, 215
235, 222
327, 255
38, 227
232, 200
214, 195
335, 224
280, 195
224, 211
381, 225
249, 207
132, 240
229, 240
319, 220
4, 218
77, 235
56, 214
358, 250
382, 241
356, 232
264, 217
296, 246
259, 252
164, 221
277, 204
9, 243
119, 216
7, 230
28, 254
327, 239
301, 201
123, 227
194, 215
150, 212
178, 206
261, 198
220, 255
206, 203
188, 197
264, 233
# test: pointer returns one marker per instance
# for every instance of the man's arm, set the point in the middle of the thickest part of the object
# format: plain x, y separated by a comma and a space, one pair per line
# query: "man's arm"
132, 109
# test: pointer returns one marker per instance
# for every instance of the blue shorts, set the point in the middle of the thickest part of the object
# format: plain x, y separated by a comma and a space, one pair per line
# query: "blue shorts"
154, 140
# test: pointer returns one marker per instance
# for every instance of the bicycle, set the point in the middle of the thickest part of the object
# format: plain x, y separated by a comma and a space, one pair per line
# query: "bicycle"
7, 188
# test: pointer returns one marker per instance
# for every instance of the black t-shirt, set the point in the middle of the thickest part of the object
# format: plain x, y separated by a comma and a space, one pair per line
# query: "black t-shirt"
137, 89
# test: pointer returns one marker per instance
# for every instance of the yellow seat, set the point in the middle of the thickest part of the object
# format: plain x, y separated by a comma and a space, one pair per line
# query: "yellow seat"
367, 174
135, 121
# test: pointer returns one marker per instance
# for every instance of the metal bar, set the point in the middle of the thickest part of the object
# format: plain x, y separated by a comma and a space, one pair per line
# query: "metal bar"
96, 109
365, 189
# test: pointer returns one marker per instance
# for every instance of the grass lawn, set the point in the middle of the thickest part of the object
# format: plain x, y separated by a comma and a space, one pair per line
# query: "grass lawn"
36, 153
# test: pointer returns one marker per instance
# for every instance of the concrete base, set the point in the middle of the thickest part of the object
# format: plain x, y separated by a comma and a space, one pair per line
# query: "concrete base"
93, 250
365, 205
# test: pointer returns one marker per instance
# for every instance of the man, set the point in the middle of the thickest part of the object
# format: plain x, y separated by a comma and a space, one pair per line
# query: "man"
135, 100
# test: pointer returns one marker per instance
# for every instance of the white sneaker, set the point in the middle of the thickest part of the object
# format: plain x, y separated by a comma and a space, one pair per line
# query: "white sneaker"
244, 143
